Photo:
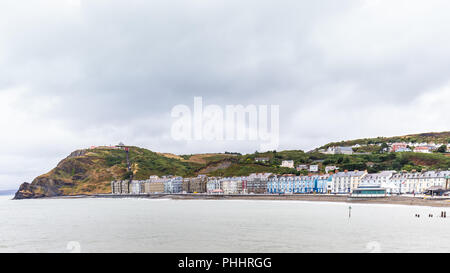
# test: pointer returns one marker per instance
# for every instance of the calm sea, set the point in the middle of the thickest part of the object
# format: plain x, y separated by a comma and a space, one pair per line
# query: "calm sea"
142, 225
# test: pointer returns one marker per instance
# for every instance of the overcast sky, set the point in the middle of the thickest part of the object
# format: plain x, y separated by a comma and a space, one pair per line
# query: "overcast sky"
77, 73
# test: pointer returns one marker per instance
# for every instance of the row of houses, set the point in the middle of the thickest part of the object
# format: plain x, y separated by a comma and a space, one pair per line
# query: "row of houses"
394, 182
313, 168
165, 184
290, 184
254, 183
391, 147
415, 147
265, 183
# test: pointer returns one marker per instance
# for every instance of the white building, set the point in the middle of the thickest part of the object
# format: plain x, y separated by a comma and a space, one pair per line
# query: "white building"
137, 187
262, 159
154, 177
346, 182
287, 164
381, 179
231, 185
173, 185
418, 182
422, 149
432, 179
330, 169
213, 184
339, 150
314, 168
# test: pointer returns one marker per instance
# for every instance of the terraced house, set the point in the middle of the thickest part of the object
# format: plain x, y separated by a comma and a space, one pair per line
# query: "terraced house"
195, 184
381, 179
421, 182
413, 182
346, 181
291, 184
232, 185
257, 183
174, 185
213, 185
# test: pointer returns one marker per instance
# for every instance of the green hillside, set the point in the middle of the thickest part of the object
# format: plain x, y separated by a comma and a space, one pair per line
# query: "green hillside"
442, 137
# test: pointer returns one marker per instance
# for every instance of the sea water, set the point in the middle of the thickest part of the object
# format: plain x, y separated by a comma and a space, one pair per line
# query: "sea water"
149, 225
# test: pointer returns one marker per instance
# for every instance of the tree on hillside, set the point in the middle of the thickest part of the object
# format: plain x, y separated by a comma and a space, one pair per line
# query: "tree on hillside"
442, 149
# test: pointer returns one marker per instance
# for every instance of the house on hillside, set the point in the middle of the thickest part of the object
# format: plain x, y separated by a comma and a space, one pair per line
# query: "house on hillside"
287, 164
339, 150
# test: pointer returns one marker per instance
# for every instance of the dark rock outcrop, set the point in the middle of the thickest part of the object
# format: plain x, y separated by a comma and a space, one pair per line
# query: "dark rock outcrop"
40, 187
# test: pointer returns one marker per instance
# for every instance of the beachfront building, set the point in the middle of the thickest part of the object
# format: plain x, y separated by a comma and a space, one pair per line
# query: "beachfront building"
417, 182
116, 187
213, 185
377, 179
185, 186
347, 181
432, 179
198, 184
368, 191
156, 186
411, 182
314, 168
398, 183
137, 187
173, 185
232, 185
195, 184
122, 187
257, 183
290, 184
281, 184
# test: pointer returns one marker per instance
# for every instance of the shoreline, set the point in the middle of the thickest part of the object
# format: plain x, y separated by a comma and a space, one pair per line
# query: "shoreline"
392, 200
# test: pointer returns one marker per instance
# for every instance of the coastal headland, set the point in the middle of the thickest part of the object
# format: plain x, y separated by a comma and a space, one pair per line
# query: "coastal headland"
423, 168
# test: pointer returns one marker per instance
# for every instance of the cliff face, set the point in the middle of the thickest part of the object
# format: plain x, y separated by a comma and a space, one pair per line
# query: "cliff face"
40, 187
82, 172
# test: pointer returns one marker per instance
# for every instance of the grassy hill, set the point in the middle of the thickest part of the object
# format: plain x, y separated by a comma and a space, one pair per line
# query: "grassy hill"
441, 137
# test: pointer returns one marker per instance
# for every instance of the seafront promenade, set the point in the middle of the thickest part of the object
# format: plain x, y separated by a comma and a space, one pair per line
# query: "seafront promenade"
340, 198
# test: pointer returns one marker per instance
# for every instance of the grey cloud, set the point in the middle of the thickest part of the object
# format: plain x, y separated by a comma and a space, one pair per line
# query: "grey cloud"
108, 71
